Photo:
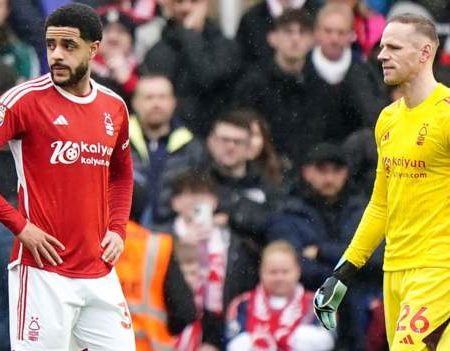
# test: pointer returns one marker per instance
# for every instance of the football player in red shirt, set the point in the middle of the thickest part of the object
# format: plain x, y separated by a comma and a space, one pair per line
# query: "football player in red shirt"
69, 138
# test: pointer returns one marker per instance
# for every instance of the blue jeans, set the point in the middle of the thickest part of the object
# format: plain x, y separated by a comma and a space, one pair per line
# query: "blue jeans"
6, 239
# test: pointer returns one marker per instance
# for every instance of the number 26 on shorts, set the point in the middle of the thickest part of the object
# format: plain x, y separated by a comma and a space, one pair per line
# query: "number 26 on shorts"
416, 320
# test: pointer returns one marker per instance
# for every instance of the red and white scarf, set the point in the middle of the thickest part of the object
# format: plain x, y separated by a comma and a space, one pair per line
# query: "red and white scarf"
191, 337
213, 258
209, 295
270, 329
217, 254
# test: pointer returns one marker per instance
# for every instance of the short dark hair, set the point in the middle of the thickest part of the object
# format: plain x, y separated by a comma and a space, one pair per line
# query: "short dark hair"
421, 24
238, 118
155, 75
324, 152
78, 16
298, 16
193, 181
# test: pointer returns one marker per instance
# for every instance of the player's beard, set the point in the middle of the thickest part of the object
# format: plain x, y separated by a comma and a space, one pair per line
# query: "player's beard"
75, 76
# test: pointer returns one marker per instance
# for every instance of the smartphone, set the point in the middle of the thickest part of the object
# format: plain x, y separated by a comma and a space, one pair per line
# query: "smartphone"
203, 213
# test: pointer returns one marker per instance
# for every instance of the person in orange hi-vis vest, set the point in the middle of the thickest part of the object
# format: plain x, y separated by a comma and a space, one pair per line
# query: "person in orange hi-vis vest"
159, 299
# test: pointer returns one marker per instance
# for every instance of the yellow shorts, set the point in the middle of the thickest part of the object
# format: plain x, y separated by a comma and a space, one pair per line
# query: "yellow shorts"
417, 309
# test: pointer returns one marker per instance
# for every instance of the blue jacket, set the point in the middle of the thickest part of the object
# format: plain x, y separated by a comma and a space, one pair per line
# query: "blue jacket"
308, 221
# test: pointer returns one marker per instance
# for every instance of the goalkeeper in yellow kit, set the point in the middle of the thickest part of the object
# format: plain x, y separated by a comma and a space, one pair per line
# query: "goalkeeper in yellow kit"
410, 203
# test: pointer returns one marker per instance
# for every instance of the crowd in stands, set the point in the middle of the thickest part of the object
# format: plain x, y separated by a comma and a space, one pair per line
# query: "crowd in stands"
253, 159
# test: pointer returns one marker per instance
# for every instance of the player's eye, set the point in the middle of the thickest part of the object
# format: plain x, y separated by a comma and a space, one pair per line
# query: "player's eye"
51, 46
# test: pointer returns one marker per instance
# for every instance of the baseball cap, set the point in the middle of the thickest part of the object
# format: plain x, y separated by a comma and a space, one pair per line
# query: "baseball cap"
325, 152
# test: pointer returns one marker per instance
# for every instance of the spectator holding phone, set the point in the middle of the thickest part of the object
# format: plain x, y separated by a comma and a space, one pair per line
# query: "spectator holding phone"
228, 264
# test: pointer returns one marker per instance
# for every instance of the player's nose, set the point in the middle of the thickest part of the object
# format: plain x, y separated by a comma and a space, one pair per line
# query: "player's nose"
57, 54
382, 56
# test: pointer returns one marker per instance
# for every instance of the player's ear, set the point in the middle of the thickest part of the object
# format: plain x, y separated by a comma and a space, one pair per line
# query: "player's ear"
426, 53
94, 48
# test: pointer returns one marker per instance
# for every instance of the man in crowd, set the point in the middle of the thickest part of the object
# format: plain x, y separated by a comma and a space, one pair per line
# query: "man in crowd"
198, 59
258, 21
246, 198
228, 262
162, 147
348, 88
317, 219
280, 89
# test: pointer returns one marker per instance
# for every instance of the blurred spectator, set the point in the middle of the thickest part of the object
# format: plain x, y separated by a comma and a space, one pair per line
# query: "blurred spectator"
246, 197
139, 10
150, 32
348, 88
258, 21
27, 20
159, 299
6, 240
162, 148
318, 220
8, 178
445, 56
376, 339
199, 60
361, 152
9, 77
380, 6
277, 314
368, 25
8, 189
115, 66
190, 339
280, 89
20, 57
262, 151
228, 264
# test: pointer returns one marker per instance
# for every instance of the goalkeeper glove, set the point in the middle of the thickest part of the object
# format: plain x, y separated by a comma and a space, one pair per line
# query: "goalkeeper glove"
329, 296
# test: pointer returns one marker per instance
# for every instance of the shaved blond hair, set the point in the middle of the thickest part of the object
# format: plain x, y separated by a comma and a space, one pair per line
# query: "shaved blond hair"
421, 25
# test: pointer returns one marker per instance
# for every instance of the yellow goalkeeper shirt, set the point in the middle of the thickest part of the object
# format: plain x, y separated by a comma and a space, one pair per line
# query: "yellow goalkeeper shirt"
410, 203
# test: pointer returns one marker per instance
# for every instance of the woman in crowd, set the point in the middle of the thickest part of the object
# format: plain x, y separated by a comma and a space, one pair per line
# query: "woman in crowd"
277, 315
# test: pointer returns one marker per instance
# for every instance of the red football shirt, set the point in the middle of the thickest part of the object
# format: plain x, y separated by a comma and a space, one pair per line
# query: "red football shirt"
74, 168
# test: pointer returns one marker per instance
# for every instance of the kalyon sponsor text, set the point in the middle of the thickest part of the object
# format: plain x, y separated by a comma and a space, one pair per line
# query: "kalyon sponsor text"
68, 152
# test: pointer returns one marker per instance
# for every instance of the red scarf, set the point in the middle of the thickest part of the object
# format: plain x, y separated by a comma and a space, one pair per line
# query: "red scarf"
216, 254
191, 337
270, 329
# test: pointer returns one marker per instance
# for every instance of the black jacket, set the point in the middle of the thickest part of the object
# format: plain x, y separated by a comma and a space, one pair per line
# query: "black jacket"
352, 104
178, 298
253, 29
307, 219
289, 104
248, 201
202, 67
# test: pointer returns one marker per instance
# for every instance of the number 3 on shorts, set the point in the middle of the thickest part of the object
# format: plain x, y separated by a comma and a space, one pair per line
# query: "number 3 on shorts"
418, 323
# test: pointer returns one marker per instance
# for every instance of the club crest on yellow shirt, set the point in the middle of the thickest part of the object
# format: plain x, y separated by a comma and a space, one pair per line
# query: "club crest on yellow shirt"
423, 131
